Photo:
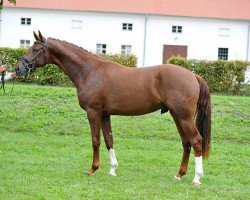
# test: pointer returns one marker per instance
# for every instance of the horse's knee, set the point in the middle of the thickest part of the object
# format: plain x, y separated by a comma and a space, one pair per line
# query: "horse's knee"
96, 143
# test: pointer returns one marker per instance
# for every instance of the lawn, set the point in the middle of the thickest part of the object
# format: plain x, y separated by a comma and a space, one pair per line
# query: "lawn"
45, 151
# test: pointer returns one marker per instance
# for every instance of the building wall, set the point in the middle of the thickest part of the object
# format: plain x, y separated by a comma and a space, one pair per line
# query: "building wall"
201, 35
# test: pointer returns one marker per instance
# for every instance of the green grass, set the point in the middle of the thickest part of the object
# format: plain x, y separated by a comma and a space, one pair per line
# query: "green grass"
45, 151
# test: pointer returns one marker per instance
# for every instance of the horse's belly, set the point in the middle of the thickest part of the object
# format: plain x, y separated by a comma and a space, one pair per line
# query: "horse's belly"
132, 112
133, 107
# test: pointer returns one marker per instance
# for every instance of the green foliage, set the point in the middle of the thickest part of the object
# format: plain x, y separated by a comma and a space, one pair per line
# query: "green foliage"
51, 74
222, 76
128, 60
11, 1
11, 56
48, 75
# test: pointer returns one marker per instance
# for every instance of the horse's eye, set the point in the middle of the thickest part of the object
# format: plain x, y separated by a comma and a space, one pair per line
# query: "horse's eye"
35, 50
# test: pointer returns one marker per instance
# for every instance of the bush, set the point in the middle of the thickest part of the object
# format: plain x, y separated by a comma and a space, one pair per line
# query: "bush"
51, 74
11, 56
125, 60
221, 75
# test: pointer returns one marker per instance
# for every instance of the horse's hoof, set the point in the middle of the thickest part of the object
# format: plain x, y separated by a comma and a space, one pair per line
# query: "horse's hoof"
112, 173
196, 183
177, 178
90, 172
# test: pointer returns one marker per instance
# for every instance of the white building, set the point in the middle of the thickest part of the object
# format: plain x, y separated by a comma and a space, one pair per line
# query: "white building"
153, 30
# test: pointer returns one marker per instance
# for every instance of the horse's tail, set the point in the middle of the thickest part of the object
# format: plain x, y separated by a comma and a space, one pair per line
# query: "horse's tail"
203, 117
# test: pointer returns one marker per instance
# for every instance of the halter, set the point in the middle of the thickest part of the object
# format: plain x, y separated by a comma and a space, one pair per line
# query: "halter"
30, 64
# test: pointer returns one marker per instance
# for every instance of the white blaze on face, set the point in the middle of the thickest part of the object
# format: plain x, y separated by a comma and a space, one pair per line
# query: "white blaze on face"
198, 170
113, 162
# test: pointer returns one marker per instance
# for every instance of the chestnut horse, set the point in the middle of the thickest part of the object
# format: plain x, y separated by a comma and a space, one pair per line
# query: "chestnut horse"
105, 88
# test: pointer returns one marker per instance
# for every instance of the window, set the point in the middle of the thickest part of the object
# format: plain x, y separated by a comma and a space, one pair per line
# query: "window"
224, 32
101, 48
24, 43
223, 53
77, 24
25, 21
127, 26
126, 49
176, 29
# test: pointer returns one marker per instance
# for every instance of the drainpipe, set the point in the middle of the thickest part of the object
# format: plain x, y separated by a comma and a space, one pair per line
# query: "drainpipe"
248, 35
145, 39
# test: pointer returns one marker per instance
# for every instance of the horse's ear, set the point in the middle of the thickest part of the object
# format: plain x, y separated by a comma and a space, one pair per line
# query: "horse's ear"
36, 36
40, 36
42, 39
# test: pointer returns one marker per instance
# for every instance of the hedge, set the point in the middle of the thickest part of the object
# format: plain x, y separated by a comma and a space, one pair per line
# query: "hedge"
51, 74
222, 76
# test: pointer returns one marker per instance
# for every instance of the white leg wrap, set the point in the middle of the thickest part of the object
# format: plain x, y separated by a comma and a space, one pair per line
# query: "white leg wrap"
113, 162
198, 170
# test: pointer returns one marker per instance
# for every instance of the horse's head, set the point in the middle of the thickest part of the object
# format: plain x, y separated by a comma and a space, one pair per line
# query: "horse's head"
35, 57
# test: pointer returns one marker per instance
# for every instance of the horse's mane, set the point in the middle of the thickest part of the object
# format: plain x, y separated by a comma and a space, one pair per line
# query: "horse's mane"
77, 47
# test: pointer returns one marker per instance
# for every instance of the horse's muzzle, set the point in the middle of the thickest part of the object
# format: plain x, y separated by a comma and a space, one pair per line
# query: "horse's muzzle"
20, 71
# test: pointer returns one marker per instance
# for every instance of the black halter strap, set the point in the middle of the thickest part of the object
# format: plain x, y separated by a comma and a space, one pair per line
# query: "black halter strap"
30, 64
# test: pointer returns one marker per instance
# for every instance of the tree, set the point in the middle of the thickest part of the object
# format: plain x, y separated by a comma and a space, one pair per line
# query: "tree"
11, 1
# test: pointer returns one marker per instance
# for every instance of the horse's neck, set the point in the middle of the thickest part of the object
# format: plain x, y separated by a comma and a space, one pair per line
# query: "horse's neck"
74, 61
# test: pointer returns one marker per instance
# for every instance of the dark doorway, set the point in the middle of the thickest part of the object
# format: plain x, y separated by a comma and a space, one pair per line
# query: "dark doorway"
173, 50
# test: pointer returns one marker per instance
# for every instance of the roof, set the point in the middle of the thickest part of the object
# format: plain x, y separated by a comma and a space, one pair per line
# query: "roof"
225, 9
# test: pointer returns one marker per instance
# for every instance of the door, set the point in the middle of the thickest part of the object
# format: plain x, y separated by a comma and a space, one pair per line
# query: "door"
173, 50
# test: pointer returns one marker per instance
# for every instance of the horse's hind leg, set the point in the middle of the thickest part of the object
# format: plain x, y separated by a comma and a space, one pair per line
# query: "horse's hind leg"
186, 151
195, 139
107, 133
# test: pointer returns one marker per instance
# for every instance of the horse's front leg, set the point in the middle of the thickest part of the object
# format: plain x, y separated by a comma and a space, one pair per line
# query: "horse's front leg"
94, 118
107, 133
